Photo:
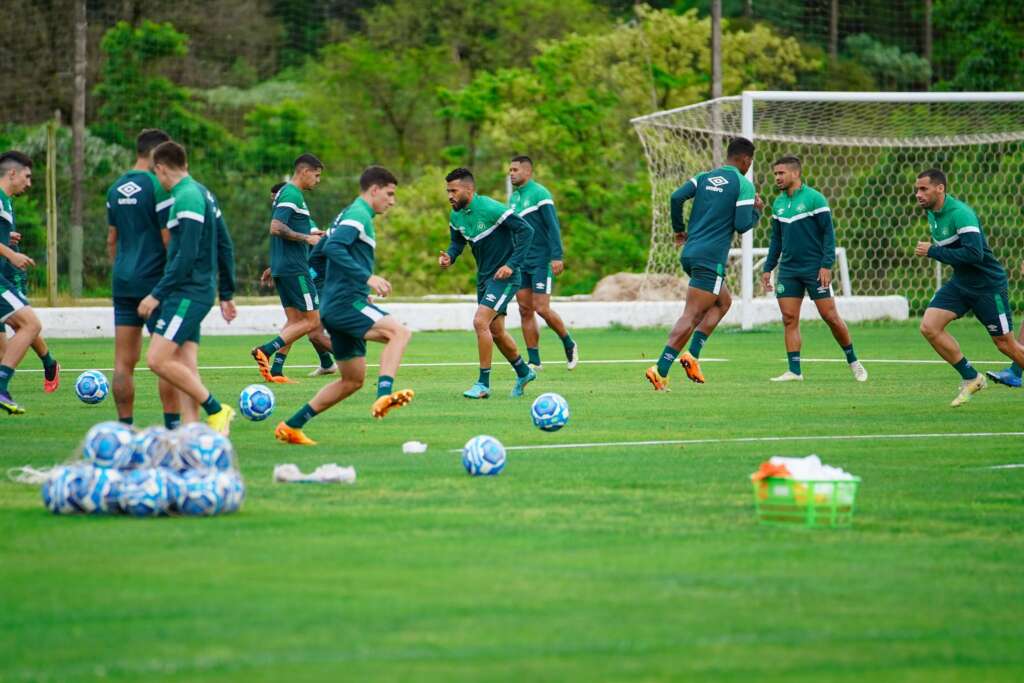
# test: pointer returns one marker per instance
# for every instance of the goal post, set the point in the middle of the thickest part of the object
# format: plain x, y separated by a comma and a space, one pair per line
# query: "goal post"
862, 150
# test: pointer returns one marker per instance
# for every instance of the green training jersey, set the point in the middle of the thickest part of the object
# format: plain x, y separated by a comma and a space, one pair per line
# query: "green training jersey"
723, 203
495, 234
349, 255
803, 239
6, 228
192, 252
534, 204
959, 242
288, 257
137, 206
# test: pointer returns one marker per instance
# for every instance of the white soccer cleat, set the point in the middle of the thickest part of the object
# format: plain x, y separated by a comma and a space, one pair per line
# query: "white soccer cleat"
788, 376
968, 388
536, 368
860, 373
324, 371
573, 357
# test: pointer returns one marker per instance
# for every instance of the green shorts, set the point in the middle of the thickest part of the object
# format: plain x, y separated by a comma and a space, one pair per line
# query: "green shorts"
126, 313
347, 324
794, 286
991, 308
178, 319
704, 276
497, 294
11, 300
298, 292
539, 280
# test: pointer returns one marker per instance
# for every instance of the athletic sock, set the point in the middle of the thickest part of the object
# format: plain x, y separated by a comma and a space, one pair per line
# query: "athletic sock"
520, 366
277, 366
485, 377
384, 384
299, 419
668, 357
793, 358
49, 366
211, 405
534, 355
697, 343
851, 357
172, 420
271, 347
126, 420
567, 342
963, 366
6, 373
1016, 371
326, 362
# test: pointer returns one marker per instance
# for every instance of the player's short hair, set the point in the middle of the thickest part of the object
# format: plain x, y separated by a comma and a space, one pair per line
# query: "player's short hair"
936, 177
148, 139
740, 147
14, 159
789, 160
461, 174
376, 176
523, 159
170, 154
308, 160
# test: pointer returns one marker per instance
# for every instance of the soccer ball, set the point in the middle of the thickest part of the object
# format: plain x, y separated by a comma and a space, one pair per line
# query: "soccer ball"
64, 489
256, 402
483, 455
103, 491
144, 493
109, 444
203, 494
205, 448
150, 448
233, 489
550, 412
175, 488
91, 387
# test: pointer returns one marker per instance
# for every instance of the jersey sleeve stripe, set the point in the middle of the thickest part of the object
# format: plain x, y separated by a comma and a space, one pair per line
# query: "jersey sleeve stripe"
6, 216
948, 240
546, 201
745, 202
191, 215
694, 181
821, 209
533, 208
360, 229
294, 207
165, 204
968, 228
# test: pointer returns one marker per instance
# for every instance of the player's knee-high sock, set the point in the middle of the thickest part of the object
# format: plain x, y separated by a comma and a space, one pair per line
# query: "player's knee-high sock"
326, 362
964, 367
49, 366
299, 419
384, 385
211, 405
668, 357
172, 420
520, 366
697, 343
277, 367
6, 373
793, 358
485, 377
851, 357
568, 344
533, 355
127, 420
271, 347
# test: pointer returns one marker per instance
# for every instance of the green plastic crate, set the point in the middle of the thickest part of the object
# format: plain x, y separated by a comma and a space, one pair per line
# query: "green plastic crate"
806, 503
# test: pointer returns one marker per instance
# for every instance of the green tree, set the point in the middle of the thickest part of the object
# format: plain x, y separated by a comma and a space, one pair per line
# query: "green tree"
981, 44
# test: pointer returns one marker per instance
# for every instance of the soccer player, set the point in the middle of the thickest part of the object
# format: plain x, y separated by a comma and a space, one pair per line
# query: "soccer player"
15, 311
534, 204
724, 202
349, 316
803, 245
290, 235
978, 284
185, 293
137, 210
499, 240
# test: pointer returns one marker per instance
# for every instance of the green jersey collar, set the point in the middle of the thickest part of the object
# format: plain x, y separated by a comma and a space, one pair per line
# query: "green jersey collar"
360, 202
182, 183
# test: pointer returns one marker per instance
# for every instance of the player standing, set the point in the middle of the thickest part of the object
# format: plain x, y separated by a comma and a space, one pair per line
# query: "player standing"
349, 316
534, 204
499, 240
978, 284
724, 202
290, 235
803, 245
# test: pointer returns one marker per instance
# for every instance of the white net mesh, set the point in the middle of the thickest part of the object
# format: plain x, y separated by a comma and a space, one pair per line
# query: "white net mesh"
863, 156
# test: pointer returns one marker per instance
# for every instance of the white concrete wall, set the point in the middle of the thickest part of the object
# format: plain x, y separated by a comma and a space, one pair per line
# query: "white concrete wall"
61, 323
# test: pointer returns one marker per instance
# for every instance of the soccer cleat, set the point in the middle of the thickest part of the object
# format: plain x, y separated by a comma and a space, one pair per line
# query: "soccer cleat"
1004, 377
263, 363
692, 368
286, 434
10, 405
968, 388
281, 379
521, 383
395, 399
657, 381
860, 373
477, 391
333, 370
788, 376
572, 357
536, 368
221, 421
50, 385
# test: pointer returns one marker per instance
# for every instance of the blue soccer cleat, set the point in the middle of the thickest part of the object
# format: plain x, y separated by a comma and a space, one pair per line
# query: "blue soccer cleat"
521, 383
1004, 377
477, 391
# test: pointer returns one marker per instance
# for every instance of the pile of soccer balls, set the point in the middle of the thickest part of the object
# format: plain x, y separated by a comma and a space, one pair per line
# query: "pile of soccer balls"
149, 473
485, 456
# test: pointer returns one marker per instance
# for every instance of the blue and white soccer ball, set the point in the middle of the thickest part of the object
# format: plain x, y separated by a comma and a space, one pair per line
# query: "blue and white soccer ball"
550, 412
91, 387
231, 486
109, 444
66, 486
483, 455
103, 492
205, 448
151, 448
256, 402
144, 493
203, 494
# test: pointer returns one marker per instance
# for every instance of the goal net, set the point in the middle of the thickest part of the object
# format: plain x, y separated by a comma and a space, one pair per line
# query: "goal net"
863, 151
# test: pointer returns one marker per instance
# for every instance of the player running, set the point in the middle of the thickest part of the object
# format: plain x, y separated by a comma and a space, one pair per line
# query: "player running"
803, 245
534, 204
499, 240
185, 292
978, 284
290, 235
349, 316
724, 202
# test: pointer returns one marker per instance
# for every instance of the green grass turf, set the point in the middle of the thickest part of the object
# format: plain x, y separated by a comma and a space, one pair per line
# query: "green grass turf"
608, 563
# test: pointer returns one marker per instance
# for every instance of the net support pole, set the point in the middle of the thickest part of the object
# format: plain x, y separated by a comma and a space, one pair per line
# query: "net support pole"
747, 240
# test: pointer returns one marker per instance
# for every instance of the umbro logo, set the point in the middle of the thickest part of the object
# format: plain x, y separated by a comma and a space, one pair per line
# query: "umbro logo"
992, 328
160, 324
490, 297
129, 189
718, 181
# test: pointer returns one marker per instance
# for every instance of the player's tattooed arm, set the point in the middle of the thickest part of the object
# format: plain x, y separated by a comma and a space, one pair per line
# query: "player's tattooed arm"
279, 229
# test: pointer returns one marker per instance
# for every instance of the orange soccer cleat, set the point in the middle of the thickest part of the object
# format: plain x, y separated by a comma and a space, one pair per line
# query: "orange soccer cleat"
395, 399
692, 368
263, 363
286, 434
657, 381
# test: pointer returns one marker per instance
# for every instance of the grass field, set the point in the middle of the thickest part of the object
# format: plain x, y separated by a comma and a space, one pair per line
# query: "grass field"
602, 563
